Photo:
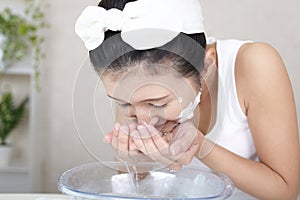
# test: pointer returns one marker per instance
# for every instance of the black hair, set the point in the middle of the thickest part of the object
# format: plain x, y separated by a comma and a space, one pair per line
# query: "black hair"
116, 55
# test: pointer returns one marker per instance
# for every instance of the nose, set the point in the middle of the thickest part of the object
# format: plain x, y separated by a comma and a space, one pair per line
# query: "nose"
142, 115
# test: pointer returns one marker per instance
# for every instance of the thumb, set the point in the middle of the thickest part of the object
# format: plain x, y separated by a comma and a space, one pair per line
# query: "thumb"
175, 148
184, 137
108, 138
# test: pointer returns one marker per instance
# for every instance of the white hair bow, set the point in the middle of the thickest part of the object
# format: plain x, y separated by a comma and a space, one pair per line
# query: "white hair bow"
144, 24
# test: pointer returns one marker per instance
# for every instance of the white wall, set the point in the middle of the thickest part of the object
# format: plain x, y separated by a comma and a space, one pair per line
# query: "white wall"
62, 148
277, 23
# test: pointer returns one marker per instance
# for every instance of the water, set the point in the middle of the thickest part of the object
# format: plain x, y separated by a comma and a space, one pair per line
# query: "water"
95, 180
133, 177
162, 184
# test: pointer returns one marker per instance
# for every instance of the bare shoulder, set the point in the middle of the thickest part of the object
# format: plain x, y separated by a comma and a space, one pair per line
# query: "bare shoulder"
257, 62
259, 69
257, 57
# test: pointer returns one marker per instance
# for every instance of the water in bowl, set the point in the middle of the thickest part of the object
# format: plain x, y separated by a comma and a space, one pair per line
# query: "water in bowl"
96, 181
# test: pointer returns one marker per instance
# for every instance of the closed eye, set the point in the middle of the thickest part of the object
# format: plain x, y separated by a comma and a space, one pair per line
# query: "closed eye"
123, 105
158, 107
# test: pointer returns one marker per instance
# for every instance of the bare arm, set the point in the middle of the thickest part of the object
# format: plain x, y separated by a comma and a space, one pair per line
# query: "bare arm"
265, 91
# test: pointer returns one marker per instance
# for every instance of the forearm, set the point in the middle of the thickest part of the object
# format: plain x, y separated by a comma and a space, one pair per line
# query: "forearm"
254, 178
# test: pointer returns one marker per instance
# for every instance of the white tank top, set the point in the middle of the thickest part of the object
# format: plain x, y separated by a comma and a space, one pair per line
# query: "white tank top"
231, 129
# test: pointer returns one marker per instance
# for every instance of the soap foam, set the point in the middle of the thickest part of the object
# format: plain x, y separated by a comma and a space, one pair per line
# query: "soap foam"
188, 112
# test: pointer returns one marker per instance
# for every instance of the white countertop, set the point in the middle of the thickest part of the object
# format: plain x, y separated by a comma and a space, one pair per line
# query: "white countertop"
33, 197
42, 197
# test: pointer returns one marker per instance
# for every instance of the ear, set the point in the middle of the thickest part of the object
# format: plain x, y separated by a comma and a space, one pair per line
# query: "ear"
210, 58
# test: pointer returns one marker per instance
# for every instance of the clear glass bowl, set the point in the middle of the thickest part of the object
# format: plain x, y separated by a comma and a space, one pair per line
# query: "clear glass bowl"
152, 181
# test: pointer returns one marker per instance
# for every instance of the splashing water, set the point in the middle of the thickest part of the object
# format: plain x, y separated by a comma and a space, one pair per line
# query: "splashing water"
133, 176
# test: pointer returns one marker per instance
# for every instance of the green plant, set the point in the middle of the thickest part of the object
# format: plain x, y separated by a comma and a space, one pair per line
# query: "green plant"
22, 33
16, 31
10, 115
34, 11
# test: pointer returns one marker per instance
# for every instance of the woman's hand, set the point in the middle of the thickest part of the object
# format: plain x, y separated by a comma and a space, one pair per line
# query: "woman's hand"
123, 145
185, 142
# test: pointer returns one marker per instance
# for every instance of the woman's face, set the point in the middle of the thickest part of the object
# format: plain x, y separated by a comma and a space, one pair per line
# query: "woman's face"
147, 98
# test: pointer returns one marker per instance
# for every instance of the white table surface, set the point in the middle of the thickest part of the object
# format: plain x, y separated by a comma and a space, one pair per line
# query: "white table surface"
42, 197
33, 197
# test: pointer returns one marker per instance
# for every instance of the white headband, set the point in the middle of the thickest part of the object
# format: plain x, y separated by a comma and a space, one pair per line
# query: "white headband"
144, 24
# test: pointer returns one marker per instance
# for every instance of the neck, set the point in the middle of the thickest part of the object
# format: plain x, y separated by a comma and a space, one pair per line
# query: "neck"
208, 104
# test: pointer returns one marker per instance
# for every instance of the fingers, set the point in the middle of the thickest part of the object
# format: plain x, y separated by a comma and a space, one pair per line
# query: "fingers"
163, 148
154, 146
187, 156
115, 135
184, 137
158, 140
132, 146
123, 142
119, 139
150, 147
154, 120
186, 144
138, 141
134, 152
169, 127
133, 143
108, 138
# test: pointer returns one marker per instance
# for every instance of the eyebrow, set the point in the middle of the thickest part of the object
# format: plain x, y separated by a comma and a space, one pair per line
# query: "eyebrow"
114, 98
151, 99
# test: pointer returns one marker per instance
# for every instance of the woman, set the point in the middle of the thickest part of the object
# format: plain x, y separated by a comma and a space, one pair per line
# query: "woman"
228, 105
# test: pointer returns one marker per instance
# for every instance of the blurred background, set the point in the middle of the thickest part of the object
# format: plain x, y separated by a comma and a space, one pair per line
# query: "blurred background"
45, 143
